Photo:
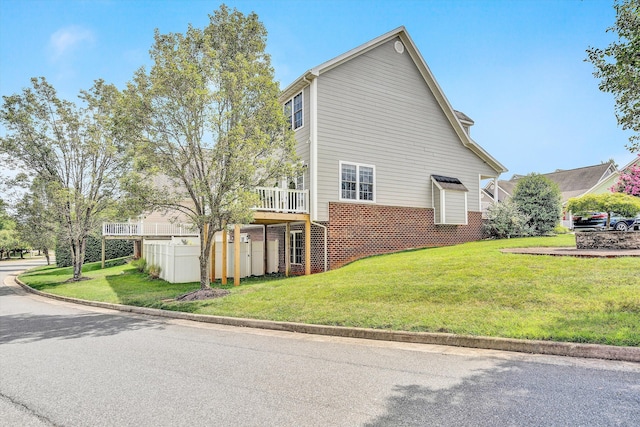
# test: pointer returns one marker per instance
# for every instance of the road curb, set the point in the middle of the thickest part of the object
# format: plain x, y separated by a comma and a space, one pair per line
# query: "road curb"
595, 351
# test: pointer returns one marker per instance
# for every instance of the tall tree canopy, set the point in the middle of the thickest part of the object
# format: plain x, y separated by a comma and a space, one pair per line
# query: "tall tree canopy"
211, 127
77, 153
618, 68
35, 219
539, 199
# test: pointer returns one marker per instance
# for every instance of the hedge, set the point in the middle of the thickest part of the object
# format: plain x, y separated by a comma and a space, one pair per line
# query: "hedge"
113, 249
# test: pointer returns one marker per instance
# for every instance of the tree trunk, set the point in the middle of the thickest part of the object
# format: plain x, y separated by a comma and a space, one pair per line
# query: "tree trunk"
204, 259
77, 254
45, 251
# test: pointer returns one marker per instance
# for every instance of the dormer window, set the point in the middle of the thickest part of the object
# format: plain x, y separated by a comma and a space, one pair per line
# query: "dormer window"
293, 111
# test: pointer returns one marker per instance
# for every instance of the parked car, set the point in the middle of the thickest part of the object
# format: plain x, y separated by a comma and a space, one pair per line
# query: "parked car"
598, 221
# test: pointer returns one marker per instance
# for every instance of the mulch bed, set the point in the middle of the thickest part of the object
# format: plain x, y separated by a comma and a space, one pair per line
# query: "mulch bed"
203, 294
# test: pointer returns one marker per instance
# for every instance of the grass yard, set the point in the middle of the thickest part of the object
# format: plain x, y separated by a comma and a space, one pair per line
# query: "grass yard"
465, 289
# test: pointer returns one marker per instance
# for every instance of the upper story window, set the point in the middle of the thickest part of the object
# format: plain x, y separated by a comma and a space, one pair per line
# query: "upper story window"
293, 111
357, 182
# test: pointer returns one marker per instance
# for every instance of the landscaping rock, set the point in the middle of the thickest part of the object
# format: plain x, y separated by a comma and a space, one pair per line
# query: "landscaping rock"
608, 240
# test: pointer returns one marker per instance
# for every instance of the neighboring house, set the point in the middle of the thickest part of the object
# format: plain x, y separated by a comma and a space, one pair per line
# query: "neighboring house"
572, 183
388, 163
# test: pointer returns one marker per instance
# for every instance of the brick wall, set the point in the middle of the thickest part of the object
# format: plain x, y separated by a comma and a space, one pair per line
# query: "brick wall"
360, 230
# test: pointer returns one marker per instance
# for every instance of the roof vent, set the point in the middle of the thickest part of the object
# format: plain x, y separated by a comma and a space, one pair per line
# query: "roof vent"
398, 46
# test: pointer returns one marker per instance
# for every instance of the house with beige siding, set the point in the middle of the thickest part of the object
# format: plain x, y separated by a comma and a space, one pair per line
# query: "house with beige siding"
388, 163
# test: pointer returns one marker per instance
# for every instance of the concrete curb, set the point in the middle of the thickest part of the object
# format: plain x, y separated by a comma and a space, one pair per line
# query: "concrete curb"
628, 354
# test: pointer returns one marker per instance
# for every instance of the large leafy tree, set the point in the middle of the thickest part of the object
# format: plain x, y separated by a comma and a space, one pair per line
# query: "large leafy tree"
77, 153
618, 67
539, 199
211, 128
35, 219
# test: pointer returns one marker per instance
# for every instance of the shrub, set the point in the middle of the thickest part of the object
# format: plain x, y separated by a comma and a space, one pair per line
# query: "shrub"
505, 220
154, 271
139, 264
539, 199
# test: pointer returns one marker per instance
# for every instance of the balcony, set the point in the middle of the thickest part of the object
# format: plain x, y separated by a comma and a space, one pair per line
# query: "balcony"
272, 200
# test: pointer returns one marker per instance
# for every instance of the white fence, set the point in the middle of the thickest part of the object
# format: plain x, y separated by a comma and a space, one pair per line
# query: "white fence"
180, 263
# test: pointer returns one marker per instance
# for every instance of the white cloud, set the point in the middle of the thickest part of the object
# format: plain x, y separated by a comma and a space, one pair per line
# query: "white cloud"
67, 39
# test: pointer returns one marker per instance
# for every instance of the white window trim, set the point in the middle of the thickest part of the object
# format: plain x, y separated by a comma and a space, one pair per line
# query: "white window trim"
292, 121
357, 165
292, 247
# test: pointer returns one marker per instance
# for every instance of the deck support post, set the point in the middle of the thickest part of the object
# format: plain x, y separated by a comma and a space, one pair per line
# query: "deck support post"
287, 249
307, 247
225, 245
103, 251
236, 255
264, 246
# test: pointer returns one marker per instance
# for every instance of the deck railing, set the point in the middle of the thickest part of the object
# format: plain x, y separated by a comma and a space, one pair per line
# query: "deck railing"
148, 229
271, 200
283, 200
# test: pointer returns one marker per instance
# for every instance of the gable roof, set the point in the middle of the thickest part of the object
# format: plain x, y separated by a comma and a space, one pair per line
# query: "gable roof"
572, 182
428, 77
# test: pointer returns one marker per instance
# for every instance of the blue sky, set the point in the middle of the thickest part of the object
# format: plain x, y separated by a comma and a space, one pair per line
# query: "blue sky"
515, 67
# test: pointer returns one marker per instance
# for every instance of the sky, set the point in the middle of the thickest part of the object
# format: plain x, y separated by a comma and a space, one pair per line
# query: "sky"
516, 67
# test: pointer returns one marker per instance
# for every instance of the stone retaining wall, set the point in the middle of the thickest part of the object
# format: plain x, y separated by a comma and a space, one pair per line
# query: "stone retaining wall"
608, 240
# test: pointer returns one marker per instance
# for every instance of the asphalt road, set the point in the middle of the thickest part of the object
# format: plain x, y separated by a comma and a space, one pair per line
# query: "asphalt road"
68, 365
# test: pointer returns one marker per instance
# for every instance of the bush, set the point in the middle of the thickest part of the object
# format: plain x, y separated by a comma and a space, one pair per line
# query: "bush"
505, 220
539, 199
93, 252
154, 271
139, 264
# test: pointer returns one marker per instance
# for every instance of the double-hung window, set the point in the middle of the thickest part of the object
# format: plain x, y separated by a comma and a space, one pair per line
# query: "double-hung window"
295, 247
293, 111
357, 182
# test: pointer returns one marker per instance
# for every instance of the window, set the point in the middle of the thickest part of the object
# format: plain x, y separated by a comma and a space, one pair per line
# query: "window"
293, 111
295, 247
357, 182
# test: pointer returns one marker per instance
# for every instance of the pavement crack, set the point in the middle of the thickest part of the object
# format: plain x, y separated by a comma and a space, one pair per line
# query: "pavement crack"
24, 408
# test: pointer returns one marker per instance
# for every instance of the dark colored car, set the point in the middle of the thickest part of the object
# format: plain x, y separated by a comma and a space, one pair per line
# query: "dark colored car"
598, 221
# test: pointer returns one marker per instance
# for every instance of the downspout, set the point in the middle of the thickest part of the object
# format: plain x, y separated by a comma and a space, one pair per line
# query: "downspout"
313, 144
324, 227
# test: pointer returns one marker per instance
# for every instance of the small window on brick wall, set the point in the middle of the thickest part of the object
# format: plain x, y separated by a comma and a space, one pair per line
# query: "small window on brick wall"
295, 247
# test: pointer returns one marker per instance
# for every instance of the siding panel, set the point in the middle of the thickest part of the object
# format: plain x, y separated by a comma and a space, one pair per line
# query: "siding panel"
377, 109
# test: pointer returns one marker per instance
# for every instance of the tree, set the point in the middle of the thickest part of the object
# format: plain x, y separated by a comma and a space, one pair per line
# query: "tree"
618, 67
211, 126
77, 153
35, 219
539, 199
619, 203
629, 181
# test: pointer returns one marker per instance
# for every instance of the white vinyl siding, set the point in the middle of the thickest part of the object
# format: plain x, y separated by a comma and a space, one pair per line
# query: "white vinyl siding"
449, 204
377, 109
357, 182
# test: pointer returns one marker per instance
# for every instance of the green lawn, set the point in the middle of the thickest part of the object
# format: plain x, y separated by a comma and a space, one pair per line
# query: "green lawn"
466, 289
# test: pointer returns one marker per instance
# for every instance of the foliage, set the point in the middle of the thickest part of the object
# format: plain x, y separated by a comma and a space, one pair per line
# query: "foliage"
619, 203
618, 67
539, 199
505, 220
472, 288
210, 127
35, 219
154, 271
93, 252
139, 264
629, 180
77, 153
